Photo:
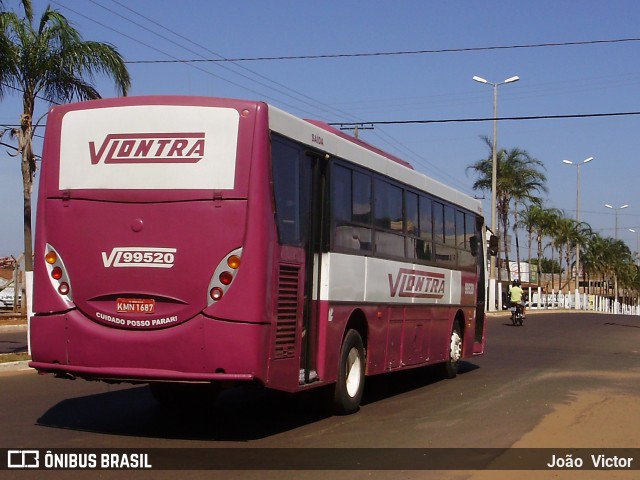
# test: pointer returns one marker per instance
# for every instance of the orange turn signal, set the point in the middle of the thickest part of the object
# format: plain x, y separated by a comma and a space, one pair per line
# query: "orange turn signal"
233, 261
51, 258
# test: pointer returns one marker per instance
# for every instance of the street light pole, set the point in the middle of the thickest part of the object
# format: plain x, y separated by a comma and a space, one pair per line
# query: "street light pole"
615, 275
494, 180
616, 210
569, 162
637, 232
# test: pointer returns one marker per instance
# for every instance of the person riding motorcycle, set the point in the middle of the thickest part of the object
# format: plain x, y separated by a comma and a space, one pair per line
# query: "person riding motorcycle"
515, 295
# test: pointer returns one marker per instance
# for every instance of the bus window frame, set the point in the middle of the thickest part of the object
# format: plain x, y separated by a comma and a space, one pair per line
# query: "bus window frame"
431, 236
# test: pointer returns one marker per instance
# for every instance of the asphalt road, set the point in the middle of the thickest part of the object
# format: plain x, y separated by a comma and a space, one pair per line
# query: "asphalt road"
497, 398
13, 340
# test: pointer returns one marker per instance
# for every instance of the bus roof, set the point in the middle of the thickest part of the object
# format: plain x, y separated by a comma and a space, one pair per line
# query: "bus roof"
324, 137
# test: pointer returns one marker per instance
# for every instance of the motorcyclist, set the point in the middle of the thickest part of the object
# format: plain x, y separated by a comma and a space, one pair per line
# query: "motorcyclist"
515, 295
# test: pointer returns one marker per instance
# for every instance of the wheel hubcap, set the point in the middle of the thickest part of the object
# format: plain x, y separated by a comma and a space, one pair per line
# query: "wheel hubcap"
456, 347
354, 369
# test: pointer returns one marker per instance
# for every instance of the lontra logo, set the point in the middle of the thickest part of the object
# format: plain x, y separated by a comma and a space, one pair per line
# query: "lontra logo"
416, 283
149, 148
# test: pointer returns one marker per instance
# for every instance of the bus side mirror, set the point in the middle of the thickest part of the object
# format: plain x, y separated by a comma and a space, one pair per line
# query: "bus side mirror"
473, 244
493, 245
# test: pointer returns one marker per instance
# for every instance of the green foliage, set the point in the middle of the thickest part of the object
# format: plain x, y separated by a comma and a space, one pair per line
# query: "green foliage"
49, 59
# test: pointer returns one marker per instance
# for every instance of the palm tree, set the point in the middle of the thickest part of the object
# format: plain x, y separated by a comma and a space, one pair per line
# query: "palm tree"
579, 238
539, 222
528, 182
519, 180
621, 264
611, 260
595, 260
565, 239
49, 58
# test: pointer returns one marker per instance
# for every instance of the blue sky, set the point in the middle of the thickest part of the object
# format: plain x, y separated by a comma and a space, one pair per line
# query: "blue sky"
555, 80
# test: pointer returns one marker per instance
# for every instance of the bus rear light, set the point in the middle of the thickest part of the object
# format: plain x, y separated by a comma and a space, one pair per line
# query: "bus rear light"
216, 293
233, 261
226, 278
57, 273
51, 258
224, 275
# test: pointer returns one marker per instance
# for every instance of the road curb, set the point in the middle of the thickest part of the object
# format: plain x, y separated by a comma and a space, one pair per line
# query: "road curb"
15, 366
13, 328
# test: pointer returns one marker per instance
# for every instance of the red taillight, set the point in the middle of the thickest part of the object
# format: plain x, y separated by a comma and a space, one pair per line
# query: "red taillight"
224, 275
225, 278
56, 273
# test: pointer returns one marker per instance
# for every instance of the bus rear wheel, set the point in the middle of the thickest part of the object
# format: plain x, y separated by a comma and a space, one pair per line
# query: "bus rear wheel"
350, 384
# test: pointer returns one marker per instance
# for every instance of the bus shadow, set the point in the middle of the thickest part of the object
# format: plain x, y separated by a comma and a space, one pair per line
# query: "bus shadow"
382, 387
239, 414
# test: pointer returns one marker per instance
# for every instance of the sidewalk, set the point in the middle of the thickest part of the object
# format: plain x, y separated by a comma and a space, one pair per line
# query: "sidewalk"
12, 322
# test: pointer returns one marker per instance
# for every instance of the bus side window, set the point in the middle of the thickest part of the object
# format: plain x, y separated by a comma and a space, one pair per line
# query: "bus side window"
388, 219
424, 245
351, 209
289, 172
466, 239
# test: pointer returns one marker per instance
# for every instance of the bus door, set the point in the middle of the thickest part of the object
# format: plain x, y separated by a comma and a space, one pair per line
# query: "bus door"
314, 246
299, 179
481, 262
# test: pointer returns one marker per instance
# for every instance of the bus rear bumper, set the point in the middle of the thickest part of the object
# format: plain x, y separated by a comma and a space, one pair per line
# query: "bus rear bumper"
201, 349
136, 375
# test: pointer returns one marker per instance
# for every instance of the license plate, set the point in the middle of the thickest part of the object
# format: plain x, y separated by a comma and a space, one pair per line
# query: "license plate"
135, 305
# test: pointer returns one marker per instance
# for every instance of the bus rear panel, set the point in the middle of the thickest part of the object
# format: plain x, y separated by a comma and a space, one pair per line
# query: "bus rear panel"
144, 228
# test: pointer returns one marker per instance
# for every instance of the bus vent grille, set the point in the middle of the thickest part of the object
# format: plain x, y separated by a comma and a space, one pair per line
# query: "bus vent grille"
287, 311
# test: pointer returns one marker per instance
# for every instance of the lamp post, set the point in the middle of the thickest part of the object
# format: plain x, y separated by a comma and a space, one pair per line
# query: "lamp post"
616, 210
615, 275
637, 232
494, 179
569, 162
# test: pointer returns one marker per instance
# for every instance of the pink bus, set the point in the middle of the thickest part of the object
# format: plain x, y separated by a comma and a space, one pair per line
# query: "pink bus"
192, 243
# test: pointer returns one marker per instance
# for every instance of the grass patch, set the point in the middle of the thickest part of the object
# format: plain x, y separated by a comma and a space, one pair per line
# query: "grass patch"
14, 357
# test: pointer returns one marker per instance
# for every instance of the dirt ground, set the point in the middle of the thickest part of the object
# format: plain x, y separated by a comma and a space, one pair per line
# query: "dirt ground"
592, 419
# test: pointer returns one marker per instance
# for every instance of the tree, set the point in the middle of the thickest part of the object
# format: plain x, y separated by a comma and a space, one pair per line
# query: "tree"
611, 260
595, 260
519, 181
49, 58
562, 240
540, 222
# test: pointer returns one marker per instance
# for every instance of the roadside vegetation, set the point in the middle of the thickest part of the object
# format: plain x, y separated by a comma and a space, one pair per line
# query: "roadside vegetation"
47, 61
607, 265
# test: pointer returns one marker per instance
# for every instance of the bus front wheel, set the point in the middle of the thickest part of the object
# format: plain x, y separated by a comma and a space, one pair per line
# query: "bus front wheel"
450, 367
350, 384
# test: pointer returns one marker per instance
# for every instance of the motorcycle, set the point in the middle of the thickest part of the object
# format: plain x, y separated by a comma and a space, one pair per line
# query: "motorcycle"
517, 317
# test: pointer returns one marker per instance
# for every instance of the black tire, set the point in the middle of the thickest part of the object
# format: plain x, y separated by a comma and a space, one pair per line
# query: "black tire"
454, 351
350, 383
520, 319
513, 319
